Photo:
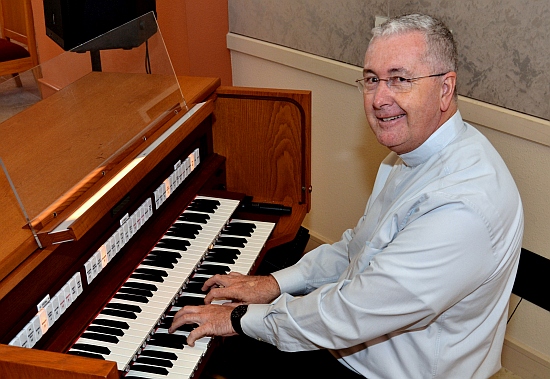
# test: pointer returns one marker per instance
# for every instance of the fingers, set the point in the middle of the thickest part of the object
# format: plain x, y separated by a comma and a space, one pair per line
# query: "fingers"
223, 287
214, 281
242, 288
213, 320
222, 293
221, 280
195, 335
186, 315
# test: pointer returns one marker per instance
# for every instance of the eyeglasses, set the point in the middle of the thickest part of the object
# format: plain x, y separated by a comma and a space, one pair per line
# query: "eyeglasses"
397, 84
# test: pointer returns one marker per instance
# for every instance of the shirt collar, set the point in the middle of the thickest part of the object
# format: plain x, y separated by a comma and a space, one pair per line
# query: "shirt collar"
436, 142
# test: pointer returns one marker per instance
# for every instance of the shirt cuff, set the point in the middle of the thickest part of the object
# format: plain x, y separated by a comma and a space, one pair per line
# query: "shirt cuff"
290, 280
253, 324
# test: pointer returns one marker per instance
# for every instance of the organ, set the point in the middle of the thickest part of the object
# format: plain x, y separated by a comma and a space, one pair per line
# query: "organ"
102, 181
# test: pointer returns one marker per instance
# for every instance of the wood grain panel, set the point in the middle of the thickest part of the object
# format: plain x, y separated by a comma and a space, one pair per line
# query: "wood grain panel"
21, 363
264, 134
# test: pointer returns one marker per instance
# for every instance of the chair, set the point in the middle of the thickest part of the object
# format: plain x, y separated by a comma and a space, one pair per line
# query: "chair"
18, 44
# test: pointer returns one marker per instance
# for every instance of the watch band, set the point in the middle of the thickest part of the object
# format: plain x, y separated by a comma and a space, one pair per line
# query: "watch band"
236, 314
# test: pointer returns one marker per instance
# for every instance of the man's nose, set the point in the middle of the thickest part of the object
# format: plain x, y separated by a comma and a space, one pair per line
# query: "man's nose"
382, 95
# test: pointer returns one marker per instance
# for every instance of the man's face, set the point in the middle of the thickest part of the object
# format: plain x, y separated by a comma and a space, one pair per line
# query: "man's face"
403, 121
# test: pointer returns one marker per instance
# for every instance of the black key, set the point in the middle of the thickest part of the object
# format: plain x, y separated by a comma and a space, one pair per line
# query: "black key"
183, 328
92, 348
237, 232
85, 354
111, 323
159, 354
212, 202
194, 287
165, 253
186, 229
158, 263
239, 229
224, 250
105, 330
231, 241
201, 207
150, 369
199, 218
136, 291
212, 269
187, 226
117, 313
198, 279
242, 225
151, 271
164, 343
170, 337
168, 340
144, 286
182, 301
220, 258
181, 234
174, 244
100, 337
150, 278
167, 322
135, 298
124, 307
161, 258
154, 361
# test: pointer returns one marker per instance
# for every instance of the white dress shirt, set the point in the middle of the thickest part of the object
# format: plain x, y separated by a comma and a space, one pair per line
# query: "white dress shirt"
420, 287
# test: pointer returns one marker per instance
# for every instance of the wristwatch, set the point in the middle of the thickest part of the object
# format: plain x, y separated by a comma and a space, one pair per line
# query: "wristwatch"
236, 314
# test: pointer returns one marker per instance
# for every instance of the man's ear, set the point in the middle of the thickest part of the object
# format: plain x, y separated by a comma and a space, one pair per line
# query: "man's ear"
447, 90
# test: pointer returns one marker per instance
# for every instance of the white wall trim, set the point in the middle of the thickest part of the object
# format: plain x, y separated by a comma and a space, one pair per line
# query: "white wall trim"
477, 112
524, 361
314, 64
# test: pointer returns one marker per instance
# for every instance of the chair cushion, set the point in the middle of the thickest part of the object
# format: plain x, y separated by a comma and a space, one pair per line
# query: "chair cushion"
10, 51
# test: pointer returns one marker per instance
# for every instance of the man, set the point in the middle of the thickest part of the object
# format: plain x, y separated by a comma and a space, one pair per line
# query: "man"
420, 287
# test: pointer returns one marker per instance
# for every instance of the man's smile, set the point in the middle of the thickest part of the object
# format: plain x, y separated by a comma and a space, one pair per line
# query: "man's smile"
391, 118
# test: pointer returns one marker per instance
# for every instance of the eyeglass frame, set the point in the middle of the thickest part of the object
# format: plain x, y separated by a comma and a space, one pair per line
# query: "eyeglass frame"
362, 88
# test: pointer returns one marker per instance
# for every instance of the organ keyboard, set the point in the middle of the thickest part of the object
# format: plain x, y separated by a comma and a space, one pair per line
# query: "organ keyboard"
202, 242
251, 142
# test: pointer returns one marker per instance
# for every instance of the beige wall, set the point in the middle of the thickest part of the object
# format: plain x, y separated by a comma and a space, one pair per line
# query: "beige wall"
345, 157
503, 44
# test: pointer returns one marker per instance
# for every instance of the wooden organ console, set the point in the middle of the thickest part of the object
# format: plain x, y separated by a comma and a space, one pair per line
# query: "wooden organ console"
231, 142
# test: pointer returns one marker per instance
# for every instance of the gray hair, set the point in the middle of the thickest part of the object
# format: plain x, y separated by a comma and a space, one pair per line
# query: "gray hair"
441, 52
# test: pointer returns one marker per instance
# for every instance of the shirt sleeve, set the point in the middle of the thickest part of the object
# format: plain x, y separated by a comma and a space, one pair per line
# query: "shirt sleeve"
326, 263
431, 264
322, 265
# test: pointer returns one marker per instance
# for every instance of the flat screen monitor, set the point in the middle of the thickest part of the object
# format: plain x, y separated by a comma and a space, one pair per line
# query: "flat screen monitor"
71, 23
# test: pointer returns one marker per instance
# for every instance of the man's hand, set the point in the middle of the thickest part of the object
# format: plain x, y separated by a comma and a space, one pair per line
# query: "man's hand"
213, 320
241, 288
